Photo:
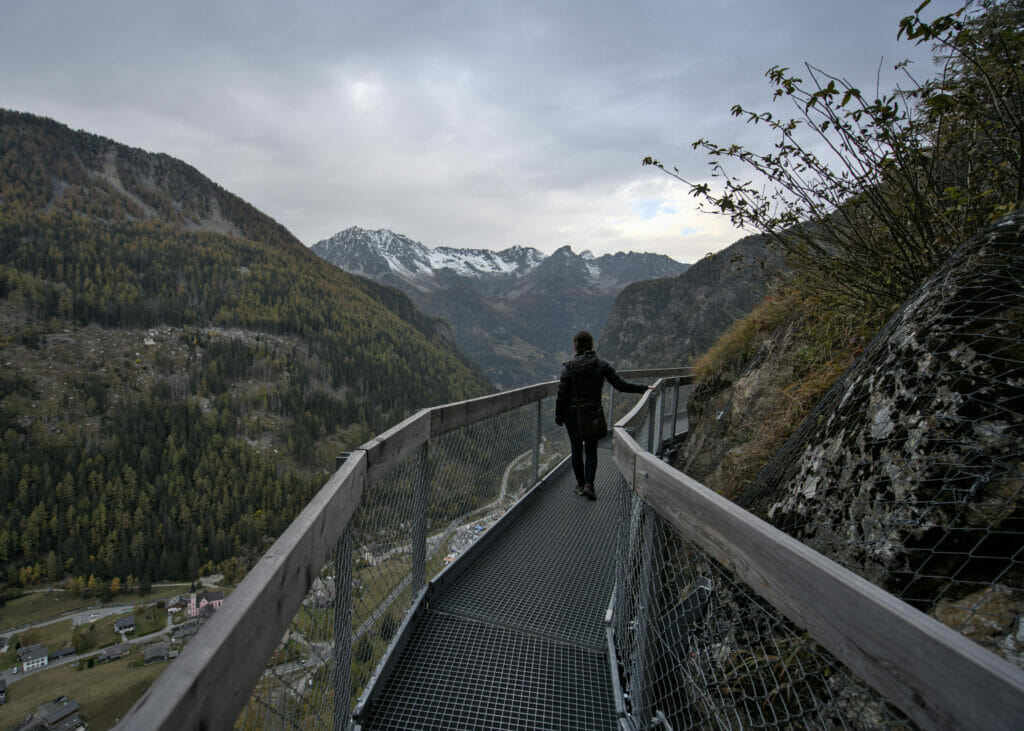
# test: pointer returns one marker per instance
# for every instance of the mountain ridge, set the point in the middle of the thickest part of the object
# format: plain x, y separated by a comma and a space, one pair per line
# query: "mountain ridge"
512, 312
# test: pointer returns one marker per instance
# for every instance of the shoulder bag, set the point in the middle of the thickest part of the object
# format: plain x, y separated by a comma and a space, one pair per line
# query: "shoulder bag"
592, 424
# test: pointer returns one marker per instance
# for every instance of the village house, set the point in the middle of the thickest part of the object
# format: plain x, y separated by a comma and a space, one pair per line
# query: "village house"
33, 656
62, 652
321, 593
185, 632
114, 652
61, 714
156, 653
125, 624
177, 604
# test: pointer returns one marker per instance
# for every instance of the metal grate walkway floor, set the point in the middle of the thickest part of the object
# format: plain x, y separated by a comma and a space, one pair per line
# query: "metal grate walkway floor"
517, 641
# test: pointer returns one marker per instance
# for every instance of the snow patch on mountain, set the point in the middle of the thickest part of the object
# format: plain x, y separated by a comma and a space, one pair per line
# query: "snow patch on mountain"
411, 260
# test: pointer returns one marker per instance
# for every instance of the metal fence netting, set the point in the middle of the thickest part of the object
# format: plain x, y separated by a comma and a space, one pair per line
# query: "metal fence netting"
909, 472
469, 478
696, 648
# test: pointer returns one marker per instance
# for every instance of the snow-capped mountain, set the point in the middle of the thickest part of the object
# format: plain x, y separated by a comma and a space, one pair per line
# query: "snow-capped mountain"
382, 254
513, 311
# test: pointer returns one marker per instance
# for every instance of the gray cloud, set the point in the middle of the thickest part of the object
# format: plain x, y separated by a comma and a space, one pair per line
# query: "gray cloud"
456, 123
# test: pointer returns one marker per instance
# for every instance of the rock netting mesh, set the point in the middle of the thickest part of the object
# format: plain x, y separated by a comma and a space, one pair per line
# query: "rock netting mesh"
909, 471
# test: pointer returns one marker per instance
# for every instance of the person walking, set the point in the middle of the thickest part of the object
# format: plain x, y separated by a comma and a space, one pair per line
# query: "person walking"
579, 396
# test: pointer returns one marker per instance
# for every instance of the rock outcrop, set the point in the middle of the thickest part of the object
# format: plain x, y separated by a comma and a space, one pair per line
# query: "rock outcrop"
671, 320
910, 471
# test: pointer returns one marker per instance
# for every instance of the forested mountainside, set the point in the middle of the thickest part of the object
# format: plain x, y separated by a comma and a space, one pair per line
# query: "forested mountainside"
672, 320
179, 370
513, 312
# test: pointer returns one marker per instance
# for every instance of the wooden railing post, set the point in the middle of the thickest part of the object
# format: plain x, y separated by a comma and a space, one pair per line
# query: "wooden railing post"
343, 629
624, 537
675, 409
536, 444
654, 424
419, 519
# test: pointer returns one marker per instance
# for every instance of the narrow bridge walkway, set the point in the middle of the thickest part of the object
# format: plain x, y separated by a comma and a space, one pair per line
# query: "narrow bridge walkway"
517, 640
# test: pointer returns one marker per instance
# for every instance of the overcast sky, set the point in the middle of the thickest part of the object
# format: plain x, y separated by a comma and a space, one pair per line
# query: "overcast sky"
459, 123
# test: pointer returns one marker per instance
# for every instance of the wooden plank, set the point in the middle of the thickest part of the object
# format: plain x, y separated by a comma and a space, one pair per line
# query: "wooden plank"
463, 413
936, 676
624, 451
209, 684
685, 373
637, 414
386, 450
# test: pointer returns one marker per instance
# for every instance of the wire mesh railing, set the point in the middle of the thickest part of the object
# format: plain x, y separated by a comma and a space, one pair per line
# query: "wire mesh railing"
721, 621
717, 655
308, 627
412, 521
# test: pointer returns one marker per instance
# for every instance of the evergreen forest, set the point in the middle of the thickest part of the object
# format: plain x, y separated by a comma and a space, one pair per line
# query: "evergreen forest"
179, 370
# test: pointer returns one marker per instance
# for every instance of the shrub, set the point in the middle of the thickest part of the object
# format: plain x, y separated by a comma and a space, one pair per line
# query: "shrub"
904, 176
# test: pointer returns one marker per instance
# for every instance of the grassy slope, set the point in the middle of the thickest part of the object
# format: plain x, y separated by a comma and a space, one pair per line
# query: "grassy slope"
104, 692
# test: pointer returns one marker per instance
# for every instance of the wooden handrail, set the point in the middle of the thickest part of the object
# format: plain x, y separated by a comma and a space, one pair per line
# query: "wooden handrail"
209, 684
936, 676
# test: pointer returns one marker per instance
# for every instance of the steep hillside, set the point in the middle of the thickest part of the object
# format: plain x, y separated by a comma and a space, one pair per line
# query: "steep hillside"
179, 370
512, 312
672, 320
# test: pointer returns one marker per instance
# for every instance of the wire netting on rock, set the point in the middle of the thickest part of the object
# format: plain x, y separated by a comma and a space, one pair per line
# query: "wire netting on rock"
910, 470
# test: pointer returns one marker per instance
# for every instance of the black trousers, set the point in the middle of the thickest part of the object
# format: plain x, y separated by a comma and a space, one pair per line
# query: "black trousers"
584, 454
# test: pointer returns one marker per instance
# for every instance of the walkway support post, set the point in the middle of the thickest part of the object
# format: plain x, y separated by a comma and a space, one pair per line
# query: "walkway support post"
343, 629
536, 445
419, 520
655, 424
645, 520
675, 408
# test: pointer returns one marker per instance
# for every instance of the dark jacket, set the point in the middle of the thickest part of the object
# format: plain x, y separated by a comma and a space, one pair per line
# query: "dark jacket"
583, 379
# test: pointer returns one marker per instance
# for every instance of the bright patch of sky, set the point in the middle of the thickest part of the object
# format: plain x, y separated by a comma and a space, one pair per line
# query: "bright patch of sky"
456, 122
647, 208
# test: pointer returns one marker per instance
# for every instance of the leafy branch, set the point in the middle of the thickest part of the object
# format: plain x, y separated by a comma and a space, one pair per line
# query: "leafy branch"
865, 193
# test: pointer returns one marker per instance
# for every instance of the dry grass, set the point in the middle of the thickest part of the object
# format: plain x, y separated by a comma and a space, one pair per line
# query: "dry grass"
741, 340
37, 606
810, 341
52, 636
104, 693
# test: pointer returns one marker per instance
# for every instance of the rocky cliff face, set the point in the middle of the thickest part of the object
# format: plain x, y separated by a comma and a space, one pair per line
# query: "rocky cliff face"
671, 320
910, 471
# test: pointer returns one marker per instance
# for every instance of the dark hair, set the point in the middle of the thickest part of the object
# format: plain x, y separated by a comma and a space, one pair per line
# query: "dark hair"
583, 341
